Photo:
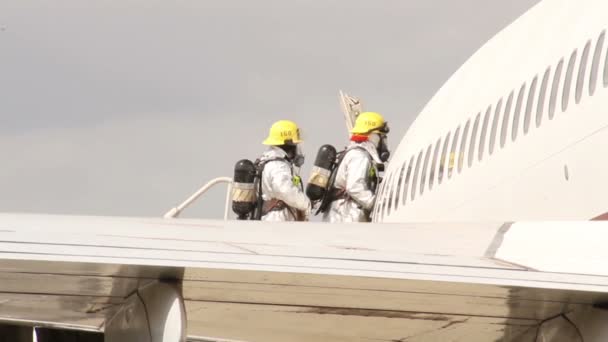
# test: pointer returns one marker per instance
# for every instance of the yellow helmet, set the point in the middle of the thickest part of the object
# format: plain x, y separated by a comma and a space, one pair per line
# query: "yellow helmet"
283, 132
368, 122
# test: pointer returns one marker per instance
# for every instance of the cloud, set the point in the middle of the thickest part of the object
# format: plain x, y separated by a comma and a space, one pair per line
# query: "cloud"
125, 107
123, 167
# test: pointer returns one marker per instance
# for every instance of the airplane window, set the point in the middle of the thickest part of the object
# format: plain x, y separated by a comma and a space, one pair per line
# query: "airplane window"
427, 157
385, 189
386, 194
463, 146
443, 162
530, 104
582, 69
596, 63
434, 164
407, 180
377, 210
383, 209
379, 195
606, 71
541, 97
386, 200
505, 121
425, 167
390, 189
378, 205
494, 131
399, 185
473, 140
554, 88
396, 184
484, 131
452, 157
416, 173
520, 100
568, 81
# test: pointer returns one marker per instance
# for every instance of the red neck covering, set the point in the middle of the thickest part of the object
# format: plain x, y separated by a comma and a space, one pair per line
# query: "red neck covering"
359, 138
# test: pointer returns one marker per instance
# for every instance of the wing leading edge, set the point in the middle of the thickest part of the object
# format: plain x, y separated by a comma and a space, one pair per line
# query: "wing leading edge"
257, 281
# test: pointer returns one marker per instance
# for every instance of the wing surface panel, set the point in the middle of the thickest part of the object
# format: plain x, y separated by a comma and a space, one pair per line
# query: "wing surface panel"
253, 281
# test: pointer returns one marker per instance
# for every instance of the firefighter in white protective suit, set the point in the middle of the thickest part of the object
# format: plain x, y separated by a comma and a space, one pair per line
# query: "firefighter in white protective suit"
353, 193
282, 191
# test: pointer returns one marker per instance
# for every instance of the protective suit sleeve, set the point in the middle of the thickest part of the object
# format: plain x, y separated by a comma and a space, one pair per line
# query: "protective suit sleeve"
357, 171
282, 187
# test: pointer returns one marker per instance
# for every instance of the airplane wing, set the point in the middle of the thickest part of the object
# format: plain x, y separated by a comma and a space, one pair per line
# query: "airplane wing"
257, 281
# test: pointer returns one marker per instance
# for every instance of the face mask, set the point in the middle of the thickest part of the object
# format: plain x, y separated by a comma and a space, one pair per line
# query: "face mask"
383, 151
295, 155
298, 161
379, 142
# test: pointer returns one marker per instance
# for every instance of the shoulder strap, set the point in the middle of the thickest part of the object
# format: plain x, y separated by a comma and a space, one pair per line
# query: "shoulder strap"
372, 175
260, 165
358, 147
328, 196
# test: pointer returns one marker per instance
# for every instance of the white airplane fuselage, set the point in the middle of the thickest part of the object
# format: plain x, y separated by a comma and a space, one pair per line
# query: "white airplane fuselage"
516, 134
525, 123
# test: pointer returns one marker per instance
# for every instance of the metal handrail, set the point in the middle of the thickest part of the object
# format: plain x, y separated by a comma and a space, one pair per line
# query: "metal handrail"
174, 212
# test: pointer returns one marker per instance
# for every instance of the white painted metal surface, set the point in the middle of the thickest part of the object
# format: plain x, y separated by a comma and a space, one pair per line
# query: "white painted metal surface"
566, 247
174, 212
155, 312
551, 170
257, 281
419, 281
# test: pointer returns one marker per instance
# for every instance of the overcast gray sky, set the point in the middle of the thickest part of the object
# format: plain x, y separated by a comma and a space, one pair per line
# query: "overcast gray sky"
125, 107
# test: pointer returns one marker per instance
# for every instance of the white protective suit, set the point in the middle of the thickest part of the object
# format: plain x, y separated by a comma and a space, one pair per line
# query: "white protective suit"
277, 183
357, 166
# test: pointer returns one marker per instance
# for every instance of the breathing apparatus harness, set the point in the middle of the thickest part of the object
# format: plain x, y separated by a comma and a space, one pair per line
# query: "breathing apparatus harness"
247, 200
321, 184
